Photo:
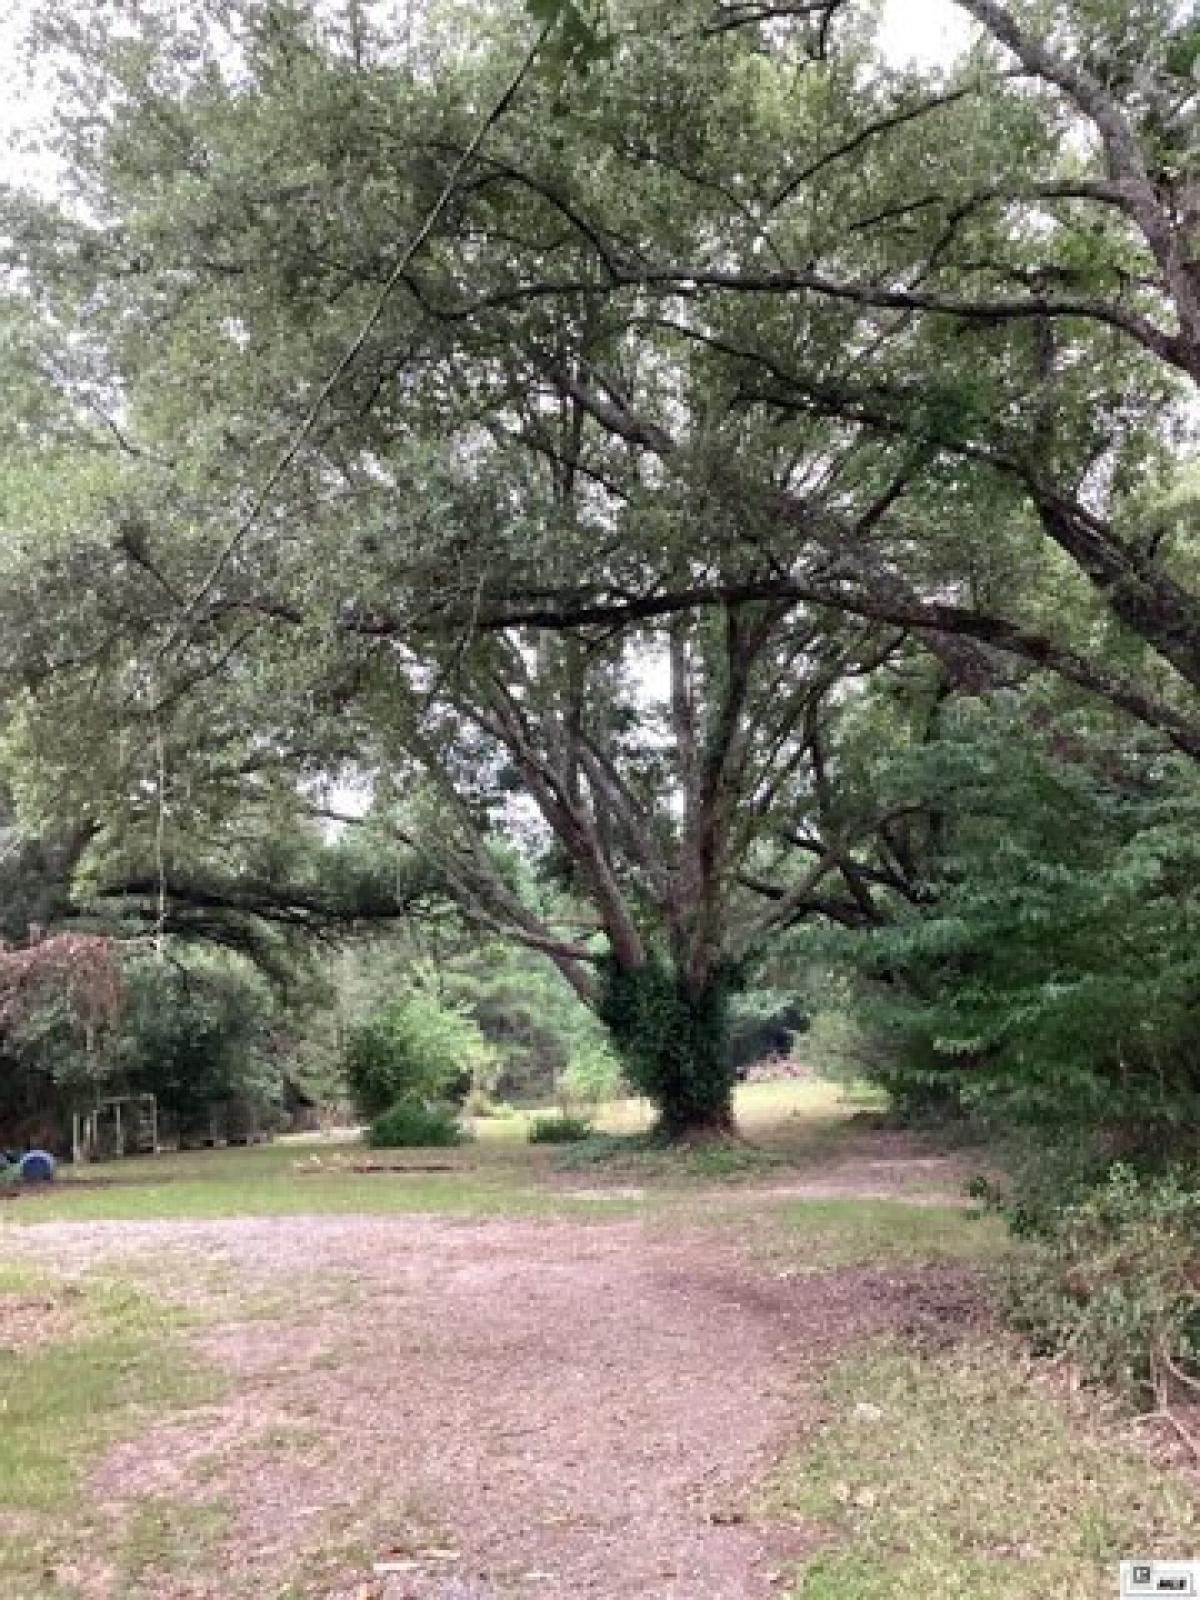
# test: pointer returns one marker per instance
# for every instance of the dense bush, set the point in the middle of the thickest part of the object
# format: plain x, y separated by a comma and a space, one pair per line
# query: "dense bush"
193, 1031
47, 1070
559, 1130
415, 1123
1042, 977
1112, 1279
526, 1012
197, 1034
1048, 974
416, 1049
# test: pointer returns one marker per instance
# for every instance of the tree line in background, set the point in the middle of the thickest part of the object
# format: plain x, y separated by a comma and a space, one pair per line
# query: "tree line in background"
722, 504
344, 1020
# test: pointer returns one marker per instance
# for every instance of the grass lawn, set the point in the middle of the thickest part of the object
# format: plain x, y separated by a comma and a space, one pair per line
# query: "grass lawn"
289, 1179
957, 1477
819, 1235
499, 1172
82, 1365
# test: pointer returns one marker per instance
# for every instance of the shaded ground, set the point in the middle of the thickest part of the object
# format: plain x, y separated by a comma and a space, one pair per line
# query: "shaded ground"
494, 1409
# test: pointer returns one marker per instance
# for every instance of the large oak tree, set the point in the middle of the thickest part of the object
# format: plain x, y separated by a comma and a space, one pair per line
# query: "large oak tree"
604, 457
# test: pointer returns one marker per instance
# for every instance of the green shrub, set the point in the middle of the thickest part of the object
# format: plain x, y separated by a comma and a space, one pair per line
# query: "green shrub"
559, 1130
198, 1034
525, 1010
1113, 1280
839, 1043
415, 1049
413, 1123
608, 1149
1041, 1183
592, 1075
730, 1160
1046, 976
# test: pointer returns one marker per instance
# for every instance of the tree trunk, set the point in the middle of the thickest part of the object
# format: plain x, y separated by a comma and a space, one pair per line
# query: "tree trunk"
1147, 601
687, 1120
673, 1040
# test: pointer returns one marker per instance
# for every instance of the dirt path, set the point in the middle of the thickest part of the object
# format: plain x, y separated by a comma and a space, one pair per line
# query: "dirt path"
499, 1408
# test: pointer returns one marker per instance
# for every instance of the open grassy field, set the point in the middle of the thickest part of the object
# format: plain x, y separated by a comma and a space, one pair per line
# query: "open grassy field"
538, 1371
497, 1172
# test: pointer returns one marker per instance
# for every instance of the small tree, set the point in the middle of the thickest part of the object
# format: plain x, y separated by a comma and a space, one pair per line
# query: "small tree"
419, 1049
198, 1034
1048, 974
59, 998
591, 1076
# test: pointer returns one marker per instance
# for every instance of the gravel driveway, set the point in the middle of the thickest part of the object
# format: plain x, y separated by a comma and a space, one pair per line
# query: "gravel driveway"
481, 1409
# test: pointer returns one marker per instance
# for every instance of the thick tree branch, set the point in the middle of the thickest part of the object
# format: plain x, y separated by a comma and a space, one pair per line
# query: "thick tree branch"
923, 617
1166, 346
1131, 178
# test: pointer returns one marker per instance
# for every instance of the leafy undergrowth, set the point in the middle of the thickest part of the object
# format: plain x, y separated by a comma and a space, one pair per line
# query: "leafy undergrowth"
957, 1476
92, 1362
640, 1156
559, 1129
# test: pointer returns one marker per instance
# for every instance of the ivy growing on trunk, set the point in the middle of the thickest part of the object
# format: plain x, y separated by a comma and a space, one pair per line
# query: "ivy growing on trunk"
673, 1039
